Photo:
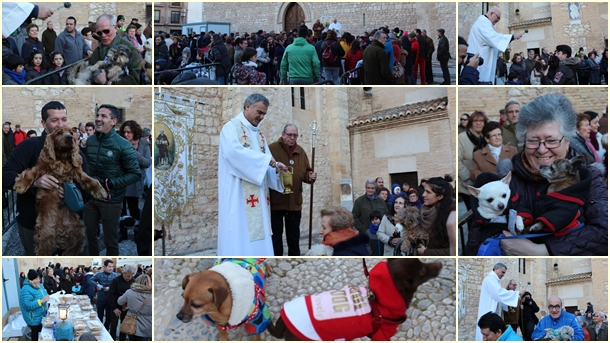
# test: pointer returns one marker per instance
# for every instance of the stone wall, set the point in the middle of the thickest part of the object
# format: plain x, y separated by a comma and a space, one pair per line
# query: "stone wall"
492, 100
22, 105
84, 12
405, 15
195, 229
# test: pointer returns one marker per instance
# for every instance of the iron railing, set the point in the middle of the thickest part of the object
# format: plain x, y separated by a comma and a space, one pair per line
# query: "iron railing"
29, 82
203, 70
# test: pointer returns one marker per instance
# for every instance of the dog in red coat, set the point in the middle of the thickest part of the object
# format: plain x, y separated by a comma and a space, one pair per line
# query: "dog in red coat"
355, 312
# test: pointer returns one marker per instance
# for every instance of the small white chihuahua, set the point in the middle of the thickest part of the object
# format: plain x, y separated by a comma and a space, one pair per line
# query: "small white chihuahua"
493, 197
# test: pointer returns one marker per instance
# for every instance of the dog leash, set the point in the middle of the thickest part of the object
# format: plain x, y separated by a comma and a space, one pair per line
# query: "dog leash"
378, 319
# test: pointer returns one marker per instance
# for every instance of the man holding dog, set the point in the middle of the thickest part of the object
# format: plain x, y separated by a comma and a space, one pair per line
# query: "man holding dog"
114, 164
556, 319
493, 297
286, 208
109, 39
72, 43
25, 156
246, 171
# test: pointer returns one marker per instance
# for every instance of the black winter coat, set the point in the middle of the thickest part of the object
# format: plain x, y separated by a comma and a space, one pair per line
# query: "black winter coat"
220, 54
31, 73
592, 239
337, 50
355, 246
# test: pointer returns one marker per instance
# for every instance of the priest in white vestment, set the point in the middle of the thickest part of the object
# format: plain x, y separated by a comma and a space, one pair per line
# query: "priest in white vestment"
15, 13
494, 297
488, 43
246, 171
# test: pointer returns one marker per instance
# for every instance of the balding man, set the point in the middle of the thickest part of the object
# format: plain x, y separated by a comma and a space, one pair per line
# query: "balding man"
598, 331
109, 39
493, 297
485, 41
511, 314
286, 208
556, 319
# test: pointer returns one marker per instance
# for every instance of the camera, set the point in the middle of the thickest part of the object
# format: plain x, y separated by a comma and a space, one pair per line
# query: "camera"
469, 55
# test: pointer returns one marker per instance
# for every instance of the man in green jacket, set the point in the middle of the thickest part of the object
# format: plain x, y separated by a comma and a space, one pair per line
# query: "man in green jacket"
364, 205
109, 39
300, 61
112, 161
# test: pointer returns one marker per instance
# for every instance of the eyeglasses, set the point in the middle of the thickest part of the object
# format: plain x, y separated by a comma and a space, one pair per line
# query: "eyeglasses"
464, 119
549, 143
554, 307
106, 32
292, 135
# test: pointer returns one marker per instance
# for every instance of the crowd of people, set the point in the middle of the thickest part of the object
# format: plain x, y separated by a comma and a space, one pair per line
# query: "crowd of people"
509, 314
28, 54
113, 292
303, 56
123, 169
530, 137
482, 60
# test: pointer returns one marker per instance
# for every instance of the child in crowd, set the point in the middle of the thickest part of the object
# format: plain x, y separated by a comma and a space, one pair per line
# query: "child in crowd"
513, 79
13, 72
36, 68
375, 244
60, 78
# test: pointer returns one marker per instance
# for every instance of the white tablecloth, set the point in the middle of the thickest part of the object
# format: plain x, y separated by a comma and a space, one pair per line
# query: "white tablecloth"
104, 337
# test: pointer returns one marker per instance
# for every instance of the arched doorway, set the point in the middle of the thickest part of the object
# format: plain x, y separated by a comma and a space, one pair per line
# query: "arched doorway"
294, 15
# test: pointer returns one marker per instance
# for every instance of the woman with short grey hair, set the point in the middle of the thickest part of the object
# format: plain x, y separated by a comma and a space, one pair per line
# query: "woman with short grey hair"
547, 125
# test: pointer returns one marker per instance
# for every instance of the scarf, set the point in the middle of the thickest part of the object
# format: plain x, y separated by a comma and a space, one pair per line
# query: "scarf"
593, 138
592, 148
495, 151
335, 237
373, 228
18, 77
249, 63
533, 172
428, 217
476, 139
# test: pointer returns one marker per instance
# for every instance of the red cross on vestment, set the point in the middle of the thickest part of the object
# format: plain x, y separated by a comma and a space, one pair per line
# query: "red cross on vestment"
245, 136
252, 201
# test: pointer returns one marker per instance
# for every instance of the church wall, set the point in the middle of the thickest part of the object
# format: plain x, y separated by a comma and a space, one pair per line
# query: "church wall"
428, 16
491, 100
26, 104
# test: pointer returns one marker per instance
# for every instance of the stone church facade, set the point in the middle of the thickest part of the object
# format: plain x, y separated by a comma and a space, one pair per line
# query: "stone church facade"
548, 24
350, 147
575, 280
355, 17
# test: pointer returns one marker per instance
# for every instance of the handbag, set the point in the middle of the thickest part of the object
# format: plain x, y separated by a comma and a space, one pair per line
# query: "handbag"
73, 197
128, 325
398, 70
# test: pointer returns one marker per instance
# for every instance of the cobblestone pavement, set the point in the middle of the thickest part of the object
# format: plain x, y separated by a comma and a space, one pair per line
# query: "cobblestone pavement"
431, 316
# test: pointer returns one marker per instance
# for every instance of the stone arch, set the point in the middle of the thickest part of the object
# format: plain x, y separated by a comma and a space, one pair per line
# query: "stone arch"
281, 14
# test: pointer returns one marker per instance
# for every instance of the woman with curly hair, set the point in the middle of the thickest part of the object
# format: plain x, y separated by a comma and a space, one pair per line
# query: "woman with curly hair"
438, 217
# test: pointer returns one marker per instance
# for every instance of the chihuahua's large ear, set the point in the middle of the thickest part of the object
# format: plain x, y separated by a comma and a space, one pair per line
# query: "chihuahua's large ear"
220, 295
575, 164
474, 191
506, 179
185, 281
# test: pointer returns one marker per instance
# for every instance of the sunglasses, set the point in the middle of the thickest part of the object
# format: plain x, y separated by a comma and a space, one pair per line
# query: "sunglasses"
106, 32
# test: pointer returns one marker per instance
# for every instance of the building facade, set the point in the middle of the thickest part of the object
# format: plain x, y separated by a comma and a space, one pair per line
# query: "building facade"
169, 16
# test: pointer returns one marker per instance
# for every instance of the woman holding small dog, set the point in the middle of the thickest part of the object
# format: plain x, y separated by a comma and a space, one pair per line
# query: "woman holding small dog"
486, 159
547, 125
388, 233
438, 217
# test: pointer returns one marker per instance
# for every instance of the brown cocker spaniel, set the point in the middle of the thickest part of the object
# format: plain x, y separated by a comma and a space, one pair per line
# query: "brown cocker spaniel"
58, 227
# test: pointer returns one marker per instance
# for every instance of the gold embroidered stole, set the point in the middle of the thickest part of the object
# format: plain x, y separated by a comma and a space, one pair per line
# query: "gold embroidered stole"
253, 207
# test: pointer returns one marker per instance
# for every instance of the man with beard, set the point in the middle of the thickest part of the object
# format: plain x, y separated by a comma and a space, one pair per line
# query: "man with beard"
114, 164
286, 208
53, 115
109, 39
71, 43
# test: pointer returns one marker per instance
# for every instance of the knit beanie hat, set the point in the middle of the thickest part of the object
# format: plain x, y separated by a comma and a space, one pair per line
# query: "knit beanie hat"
32, 274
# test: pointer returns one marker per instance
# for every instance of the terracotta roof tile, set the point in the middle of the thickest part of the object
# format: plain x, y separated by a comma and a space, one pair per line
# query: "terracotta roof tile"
569, 278
389, 114
531, 22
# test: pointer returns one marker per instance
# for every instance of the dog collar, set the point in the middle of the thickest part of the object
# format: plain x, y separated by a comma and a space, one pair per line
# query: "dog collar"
248, 319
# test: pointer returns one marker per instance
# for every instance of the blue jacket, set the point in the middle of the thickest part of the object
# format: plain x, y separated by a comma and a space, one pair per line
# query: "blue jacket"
510, 335
566, 318
104, 280
32, 308
469, 76
88, 285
